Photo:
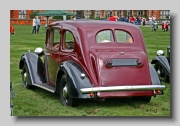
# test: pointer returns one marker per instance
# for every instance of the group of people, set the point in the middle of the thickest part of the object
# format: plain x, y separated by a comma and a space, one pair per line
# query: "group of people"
139, 20
36, 23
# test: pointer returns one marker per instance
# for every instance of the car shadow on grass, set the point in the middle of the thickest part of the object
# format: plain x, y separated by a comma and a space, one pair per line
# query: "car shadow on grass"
110, 102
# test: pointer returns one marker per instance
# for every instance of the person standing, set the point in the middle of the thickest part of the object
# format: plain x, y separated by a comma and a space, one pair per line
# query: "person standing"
38, 24
34, 25
153, 18
132, 20
112, 18
150, 21
144, 21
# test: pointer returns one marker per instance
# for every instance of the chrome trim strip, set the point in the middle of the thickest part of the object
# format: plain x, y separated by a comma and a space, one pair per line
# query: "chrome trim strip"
43, 87
123, 88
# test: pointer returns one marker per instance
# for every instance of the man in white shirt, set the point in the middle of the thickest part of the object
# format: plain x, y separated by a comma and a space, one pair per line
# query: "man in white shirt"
34, 25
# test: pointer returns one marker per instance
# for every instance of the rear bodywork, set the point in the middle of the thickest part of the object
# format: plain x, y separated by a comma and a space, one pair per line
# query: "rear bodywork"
105, 70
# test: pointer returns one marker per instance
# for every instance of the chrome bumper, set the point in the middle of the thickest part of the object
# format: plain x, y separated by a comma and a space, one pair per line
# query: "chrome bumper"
123, 88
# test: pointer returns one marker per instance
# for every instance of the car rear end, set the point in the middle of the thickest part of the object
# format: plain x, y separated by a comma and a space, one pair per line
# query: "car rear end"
120, 67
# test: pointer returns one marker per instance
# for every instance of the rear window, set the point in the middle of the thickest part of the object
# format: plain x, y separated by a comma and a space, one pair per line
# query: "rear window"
104, 36
107, 36
123, 36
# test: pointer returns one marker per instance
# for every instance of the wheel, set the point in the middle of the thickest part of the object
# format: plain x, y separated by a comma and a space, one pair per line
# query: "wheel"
145, 98
142, 98
161, 72
66, 100
166, 78
26, 83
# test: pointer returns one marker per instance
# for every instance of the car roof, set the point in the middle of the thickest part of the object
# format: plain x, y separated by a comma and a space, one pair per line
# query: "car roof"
92, 23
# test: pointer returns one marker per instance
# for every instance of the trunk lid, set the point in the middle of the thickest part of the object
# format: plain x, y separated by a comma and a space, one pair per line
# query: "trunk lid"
121, 68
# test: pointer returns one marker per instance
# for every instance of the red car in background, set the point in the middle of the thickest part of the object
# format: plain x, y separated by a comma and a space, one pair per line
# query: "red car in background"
11, 29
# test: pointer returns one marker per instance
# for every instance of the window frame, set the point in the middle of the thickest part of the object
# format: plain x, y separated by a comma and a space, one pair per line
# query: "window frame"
104, 31
126, 36
64, 40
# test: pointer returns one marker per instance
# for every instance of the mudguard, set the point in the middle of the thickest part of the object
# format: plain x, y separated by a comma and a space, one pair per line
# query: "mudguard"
164, 62
35, 67
73, 73
154, 76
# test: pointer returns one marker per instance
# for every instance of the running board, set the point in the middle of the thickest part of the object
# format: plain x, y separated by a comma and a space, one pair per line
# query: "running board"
46, 87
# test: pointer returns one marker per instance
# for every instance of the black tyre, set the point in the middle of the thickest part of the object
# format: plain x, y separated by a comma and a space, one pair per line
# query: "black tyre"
145, 98
142, 98
161, 72
166, 78
26, 81
66, 100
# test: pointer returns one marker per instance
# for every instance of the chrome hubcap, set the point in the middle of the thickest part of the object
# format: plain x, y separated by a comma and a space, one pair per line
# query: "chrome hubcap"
65, 92
25, 78
25, 75
159, 72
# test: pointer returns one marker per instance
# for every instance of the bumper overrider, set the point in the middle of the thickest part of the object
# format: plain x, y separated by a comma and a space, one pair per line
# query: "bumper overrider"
123, 88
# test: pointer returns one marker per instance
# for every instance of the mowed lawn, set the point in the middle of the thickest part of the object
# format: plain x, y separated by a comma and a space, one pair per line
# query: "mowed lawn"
39, 102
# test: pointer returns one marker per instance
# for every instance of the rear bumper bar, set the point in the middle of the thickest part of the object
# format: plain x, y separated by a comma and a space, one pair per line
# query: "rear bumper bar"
123, 88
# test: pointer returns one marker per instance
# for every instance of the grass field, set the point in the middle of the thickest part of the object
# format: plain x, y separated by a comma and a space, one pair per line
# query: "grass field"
39, 102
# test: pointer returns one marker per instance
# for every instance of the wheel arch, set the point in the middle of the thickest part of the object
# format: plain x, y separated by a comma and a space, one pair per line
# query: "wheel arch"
164, 63
154, 76
59, 76
35, 67
73, 72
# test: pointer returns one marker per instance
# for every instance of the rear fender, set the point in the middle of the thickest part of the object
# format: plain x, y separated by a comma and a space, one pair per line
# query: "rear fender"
164, 62
76, 82
154, 77
35, 67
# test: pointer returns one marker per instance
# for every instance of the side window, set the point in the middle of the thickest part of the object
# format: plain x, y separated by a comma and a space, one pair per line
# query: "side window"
56, 37
68, 40
104, 36
47, 38
123, 36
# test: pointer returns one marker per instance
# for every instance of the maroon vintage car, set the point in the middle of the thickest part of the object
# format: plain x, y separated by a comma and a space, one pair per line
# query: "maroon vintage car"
92, 59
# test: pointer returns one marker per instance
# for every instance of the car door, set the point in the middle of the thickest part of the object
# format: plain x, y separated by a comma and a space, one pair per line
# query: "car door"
52, 54
68, 46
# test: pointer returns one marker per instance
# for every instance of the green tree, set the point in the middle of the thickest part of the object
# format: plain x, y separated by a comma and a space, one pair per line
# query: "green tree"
92, 14
33, 14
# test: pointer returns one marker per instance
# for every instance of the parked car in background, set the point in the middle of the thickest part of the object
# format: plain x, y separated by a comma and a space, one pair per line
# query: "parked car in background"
162, 64
91, 59
11, 29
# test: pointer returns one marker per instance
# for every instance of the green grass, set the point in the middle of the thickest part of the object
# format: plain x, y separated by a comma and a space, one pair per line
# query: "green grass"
39, 102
